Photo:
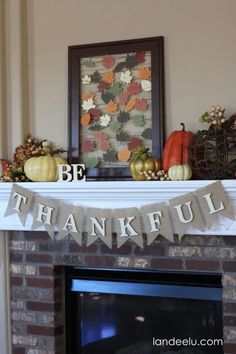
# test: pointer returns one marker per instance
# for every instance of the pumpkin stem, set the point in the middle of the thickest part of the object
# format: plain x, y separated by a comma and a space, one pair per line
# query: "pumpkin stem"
183, 126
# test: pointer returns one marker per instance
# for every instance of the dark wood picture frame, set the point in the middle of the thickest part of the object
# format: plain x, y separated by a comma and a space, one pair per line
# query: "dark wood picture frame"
75, 53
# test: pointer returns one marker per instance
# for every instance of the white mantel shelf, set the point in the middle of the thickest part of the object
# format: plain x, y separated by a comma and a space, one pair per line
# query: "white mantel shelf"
115, 194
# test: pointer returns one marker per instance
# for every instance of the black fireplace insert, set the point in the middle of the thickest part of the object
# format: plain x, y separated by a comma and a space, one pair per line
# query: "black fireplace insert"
116, 311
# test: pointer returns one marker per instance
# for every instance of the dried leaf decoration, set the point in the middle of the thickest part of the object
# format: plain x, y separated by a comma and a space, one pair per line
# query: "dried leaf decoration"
138, 120
126, 76
115, 89
146, 85
130, 61
87, 146
100, 135
140, 57
123, 98
144, 73
102, 86
122, 136
96, 77
87, 95
86, 80
105, 120
91, 162
111, 107
88, 63
119, 67
115, 126
108, 77
124, 155
134, 141
130, 104
107, 96
141, 104
85, 119
110, 156
133, 88
147, 134
108, 61
94, 112
88, 104
123, 117
104, 145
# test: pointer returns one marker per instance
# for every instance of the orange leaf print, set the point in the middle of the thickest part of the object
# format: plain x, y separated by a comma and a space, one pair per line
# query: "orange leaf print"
144, 73
130, 104
124, 155
85, 119
111, 107
108, 77
86, 96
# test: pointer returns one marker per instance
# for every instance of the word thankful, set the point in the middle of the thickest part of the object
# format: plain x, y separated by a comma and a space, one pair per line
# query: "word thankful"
158, 218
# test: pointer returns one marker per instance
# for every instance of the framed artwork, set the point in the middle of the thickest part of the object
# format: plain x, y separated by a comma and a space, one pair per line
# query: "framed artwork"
116, 102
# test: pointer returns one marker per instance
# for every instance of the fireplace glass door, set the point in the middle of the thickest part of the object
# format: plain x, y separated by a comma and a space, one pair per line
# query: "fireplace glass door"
142, 312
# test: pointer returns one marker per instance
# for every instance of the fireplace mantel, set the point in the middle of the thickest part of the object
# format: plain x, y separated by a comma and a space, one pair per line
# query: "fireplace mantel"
115, 194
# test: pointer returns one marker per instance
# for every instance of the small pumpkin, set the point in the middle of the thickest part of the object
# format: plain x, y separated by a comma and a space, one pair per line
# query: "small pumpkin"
175, 151
43, 168
180, 172
143, 166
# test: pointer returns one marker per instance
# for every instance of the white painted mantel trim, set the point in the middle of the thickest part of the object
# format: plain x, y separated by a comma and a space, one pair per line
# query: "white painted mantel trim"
115, 195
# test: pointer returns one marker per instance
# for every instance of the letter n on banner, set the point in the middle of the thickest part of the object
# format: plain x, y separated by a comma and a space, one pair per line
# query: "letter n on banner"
214, 202
185, 212
157, 221
45, 214
128, 226
99, 225
70, 222
19, 202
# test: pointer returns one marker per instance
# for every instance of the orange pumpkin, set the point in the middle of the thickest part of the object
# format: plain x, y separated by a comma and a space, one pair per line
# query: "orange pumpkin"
176, 149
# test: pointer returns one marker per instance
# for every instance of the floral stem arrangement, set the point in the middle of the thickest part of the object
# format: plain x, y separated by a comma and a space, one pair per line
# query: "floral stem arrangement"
215, 116
31, 148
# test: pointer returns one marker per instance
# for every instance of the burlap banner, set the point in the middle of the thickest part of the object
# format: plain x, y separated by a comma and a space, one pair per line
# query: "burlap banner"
199, 210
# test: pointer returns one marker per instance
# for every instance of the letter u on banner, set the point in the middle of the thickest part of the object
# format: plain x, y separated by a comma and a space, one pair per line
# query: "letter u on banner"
185, 212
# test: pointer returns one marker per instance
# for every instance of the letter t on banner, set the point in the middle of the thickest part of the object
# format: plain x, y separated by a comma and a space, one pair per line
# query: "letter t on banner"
214, 202
45, 214
19, 202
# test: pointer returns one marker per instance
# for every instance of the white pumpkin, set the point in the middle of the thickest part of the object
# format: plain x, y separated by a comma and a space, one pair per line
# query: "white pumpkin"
43, 168
180, 172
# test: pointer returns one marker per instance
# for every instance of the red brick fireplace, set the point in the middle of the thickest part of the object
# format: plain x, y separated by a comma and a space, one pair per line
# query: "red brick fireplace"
37, 279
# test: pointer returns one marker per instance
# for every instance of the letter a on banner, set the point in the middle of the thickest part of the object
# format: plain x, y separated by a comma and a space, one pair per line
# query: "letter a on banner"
19, 202
185, 212
128, 226
70, 222
213, 202
45, 214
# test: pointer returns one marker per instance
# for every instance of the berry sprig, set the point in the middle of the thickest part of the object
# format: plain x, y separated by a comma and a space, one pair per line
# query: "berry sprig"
215, 115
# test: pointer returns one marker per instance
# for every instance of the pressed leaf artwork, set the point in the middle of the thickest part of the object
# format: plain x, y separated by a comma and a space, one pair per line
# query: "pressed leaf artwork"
85, 119
87, 146
134, 141
123, 117
123, 155
108, 77
141, 104
130, 104
112, 107
115, 112
108, 61
91, 162
144, 73
138, 120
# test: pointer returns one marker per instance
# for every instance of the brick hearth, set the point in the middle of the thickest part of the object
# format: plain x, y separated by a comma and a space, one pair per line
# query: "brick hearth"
37, 279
